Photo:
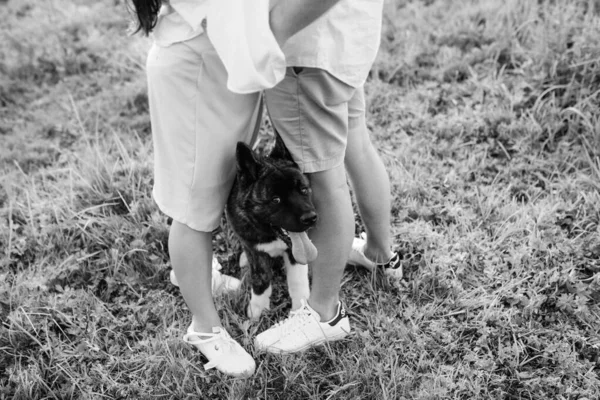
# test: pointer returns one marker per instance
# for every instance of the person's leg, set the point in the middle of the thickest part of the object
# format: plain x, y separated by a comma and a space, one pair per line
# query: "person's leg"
332, 237
370, 183
191, 258
309, 109
322, 318
196, 123
221, 283
371, 188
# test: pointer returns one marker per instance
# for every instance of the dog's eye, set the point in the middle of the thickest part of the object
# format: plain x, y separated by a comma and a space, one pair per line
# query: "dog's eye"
304, 190
276, 200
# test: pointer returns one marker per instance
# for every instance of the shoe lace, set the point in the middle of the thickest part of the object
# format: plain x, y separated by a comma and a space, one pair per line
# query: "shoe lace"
295, 320
210, 337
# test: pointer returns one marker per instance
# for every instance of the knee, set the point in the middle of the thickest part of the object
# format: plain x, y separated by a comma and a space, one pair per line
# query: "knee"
366, 159
180, 232
360, 151
329, 180
330, 188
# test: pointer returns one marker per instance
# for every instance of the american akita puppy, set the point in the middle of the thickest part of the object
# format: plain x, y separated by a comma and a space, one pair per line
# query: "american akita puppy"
270, 208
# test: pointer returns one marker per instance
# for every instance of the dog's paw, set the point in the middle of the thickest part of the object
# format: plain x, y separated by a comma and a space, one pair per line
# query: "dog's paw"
259, 303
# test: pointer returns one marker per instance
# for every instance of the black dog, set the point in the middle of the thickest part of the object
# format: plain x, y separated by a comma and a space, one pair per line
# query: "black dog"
270, 209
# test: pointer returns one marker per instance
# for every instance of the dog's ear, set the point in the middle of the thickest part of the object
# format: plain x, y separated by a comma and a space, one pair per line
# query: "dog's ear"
247, 165
279, 150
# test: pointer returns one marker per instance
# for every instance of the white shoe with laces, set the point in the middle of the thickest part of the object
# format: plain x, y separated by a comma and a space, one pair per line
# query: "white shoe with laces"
303, 329
392, 267
223, 353
221, 283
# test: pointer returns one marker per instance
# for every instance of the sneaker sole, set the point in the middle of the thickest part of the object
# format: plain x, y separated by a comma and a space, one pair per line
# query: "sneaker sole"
274, 350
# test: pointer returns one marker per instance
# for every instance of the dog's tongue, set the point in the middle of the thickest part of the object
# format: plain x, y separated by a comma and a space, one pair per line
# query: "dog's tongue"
302, 248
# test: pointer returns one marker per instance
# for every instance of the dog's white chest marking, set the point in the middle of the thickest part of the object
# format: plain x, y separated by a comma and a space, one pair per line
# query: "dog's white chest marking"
275, 248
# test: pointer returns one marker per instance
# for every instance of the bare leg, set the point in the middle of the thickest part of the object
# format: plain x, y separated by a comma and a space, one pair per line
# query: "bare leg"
191, 258
371, 188
332, 236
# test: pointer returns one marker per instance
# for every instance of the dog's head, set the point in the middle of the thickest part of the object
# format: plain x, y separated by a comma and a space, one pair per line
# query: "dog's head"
277, 191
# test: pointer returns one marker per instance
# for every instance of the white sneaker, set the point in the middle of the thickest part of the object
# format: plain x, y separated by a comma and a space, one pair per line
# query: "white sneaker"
393, 267
223, 353
303, 329
221, 283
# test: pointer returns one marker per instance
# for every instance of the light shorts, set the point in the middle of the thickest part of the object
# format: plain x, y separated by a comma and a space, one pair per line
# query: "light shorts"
314, 113
196, 123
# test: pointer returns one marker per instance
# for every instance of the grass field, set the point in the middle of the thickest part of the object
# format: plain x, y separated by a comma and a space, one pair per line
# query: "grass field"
486, 114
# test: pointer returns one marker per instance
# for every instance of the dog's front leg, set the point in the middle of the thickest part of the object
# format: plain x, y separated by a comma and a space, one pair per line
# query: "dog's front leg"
259, 303
261, 274
297, 281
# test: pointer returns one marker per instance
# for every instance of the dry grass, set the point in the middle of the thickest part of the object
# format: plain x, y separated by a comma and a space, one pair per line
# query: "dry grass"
486, 114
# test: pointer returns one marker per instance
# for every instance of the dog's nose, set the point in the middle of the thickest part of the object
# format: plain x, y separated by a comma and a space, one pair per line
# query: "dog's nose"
309, 218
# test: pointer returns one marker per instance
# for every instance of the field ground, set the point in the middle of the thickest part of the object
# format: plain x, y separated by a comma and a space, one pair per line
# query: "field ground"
486, 114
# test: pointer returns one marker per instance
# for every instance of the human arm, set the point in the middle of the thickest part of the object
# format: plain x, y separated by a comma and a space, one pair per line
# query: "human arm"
287, 17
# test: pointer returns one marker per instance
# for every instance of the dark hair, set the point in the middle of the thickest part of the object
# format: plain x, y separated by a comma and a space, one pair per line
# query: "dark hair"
146, 12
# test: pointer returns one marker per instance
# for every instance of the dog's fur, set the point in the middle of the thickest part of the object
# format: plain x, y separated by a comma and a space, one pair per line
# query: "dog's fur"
270, 196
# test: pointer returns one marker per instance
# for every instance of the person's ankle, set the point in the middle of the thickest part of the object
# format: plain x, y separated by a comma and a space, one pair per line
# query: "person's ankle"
325, 309
378, 255
201, 326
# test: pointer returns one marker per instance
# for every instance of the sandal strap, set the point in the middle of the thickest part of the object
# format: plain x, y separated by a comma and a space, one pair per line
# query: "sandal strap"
221, 334
211, 337
212, 364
